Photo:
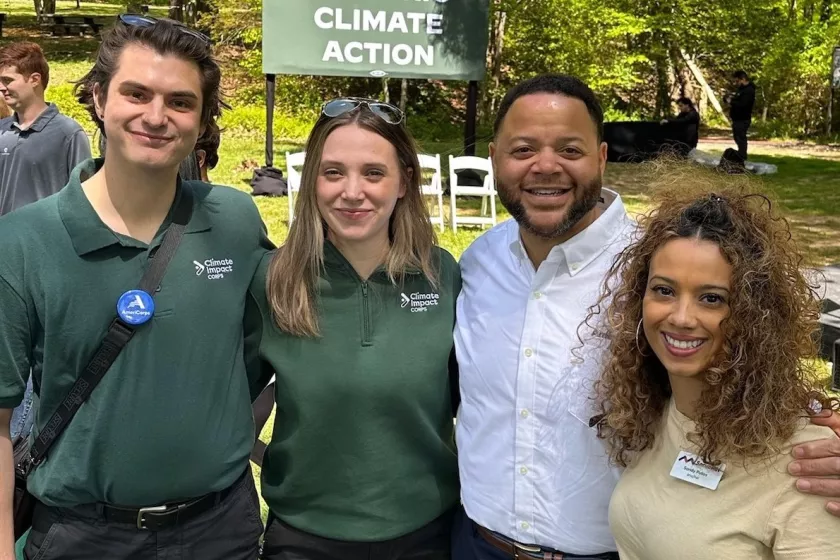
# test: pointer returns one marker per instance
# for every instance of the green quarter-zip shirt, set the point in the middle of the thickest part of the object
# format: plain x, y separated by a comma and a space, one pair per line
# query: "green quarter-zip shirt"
171, 419
363, 446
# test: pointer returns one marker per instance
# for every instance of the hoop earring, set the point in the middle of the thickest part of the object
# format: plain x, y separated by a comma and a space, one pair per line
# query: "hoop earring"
638, 346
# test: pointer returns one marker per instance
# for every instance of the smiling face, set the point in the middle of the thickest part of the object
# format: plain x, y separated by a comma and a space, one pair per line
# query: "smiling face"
548, 164
152, 114
686, 300
359, 183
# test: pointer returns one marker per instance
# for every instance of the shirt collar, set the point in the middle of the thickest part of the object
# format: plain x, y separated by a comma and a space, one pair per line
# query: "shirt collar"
334, 259
89, 233
579, 251
43, 119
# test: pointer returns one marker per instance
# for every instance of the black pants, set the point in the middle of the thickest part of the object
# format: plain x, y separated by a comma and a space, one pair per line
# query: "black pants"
739, 133
229, 531
431, 542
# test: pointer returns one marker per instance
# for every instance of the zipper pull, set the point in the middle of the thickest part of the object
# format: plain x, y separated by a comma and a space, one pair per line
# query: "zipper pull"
364, 289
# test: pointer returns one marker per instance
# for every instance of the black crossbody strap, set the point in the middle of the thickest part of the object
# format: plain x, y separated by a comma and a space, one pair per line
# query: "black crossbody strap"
119, 333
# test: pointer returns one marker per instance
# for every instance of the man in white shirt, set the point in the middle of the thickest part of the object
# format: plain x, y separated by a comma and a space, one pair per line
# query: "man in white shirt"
536, 480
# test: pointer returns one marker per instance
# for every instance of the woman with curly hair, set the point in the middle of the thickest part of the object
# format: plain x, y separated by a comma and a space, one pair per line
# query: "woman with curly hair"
708, 380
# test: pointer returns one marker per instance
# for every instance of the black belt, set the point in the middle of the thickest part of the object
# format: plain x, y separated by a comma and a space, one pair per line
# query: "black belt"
518, 551
159, 518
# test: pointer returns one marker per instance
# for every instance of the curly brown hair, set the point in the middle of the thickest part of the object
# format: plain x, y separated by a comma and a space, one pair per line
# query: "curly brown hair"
763, 381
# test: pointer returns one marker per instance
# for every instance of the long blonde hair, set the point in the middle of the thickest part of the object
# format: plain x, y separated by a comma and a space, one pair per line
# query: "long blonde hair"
296, 266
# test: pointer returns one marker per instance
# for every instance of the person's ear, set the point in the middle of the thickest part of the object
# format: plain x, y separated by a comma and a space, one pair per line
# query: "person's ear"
409, 174
602, 157
98, 104
34, 80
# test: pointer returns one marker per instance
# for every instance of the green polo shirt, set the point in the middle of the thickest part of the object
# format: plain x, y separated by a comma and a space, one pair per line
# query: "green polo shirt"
363, 446
172, 417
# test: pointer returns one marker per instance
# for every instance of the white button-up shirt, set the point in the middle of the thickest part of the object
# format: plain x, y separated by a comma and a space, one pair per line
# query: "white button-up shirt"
531, 466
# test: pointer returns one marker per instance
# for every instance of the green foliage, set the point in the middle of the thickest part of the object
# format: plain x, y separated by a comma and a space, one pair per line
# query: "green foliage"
249, 119
62, 96
629, 51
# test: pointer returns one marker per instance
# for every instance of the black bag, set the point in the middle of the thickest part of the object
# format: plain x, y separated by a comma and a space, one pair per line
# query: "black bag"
119, 333
731, 162
268, 181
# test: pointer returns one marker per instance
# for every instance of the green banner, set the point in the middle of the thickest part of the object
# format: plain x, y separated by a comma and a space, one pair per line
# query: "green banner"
438, 39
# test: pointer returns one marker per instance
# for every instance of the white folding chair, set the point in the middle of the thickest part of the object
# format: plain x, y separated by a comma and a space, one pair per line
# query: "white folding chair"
486, 191
293, 178
434, 187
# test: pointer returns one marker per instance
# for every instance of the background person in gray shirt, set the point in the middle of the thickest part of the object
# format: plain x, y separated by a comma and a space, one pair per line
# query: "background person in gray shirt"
39, 146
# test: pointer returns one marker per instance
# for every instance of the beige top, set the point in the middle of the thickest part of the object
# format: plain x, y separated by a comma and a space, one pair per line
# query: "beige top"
754, 514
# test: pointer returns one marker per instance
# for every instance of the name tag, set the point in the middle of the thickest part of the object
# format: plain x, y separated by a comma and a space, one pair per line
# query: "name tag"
691, 468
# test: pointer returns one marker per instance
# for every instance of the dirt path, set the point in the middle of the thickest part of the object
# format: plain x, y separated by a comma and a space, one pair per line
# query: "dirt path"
795, 148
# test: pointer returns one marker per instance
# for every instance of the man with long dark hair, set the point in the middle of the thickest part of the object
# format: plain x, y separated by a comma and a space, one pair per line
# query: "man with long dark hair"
155, 463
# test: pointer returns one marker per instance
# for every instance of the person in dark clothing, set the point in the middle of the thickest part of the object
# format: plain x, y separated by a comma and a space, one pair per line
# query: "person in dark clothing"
690, 119
740, 110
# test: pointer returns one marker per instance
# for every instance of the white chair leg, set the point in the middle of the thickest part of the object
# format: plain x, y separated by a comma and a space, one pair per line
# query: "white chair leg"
454, 212
493, 207
440, 210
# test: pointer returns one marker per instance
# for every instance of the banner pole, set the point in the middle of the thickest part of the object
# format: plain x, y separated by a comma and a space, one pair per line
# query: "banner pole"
269, 119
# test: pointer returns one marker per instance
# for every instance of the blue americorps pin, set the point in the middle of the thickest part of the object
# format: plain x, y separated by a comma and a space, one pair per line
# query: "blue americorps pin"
135, 307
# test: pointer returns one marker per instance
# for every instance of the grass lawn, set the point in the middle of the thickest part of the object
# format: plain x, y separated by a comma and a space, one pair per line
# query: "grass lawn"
807, 182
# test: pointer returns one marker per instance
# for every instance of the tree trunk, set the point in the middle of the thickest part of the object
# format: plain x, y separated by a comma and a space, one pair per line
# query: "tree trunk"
663, 103
830, 107
47, 7
682, 75
808, 11
825, 13
403, 94
698, 75
176, 10
385, 93
497, 62
765, 94
495, 47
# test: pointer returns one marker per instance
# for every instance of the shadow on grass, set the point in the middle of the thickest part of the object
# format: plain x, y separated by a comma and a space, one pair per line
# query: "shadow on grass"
21, 24
807, 188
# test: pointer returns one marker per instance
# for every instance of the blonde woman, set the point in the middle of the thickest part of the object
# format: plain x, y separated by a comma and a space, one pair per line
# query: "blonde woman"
708, 381
357, 310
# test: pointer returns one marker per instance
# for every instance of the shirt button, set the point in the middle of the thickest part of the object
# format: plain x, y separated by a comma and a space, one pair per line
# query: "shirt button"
528, 352
524, 414
524, 525
537, 295
575, 266
523, 470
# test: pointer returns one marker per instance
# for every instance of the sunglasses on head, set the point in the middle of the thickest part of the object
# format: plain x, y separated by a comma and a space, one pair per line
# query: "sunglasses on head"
385, 111
136, 20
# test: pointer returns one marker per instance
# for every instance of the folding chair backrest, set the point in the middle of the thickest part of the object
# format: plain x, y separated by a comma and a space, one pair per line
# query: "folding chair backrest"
435, 184
293, 175
472, 163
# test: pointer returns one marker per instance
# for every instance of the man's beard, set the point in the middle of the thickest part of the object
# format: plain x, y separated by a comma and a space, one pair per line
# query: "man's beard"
585, 200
